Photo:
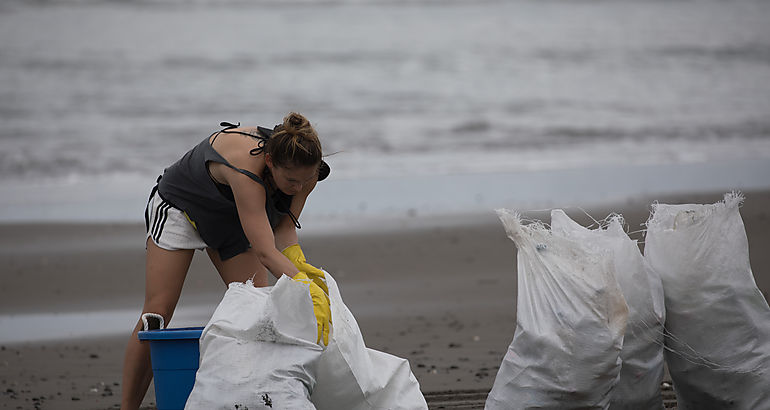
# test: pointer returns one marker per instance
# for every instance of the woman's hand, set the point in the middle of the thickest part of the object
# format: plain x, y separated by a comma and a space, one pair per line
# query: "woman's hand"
297, 257
321, 308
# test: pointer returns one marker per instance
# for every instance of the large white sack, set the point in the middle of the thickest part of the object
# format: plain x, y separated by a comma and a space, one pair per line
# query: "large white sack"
260, 344
570, 320
258, 351
351, 376
642, 371
719, 320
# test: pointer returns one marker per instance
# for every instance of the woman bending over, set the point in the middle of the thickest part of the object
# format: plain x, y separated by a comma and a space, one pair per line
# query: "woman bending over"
238, 195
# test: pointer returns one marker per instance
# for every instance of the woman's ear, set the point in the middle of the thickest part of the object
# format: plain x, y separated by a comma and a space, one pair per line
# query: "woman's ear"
269, 161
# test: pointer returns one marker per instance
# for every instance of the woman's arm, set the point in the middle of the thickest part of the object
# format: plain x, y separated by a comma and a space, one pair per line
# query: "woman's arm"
250, 200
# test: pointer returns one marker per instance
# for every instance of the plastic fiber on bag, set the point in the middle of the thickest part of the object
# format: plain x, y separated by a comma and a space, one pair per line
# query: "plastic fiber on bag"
571, 316
258, 351
353, 377
719, 349
642, 371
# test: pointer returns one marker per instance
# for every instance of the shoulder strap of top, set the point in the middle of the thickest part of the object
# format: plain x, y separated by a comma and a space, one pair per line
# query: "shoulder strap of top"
220, 159
251, 175
246, 172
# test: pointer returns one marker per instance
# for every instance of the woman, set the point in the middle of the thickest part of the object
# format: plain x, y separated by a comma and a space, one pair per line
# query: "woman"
238, 195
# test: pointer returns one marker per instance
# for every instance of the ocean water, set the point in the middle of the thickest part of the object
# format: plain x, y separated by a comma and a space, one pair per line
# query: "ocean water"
434, 107
429, 106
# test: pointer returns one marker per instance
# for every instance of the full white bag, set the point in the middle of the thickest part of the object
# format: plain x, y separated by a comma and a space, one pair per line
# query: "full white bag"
719, 320
642, 371
570, 321
259, 351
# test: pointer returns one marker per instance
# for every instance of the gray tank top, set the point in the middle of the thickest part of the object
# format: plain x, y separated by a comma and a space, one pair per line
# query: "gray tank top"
188, 186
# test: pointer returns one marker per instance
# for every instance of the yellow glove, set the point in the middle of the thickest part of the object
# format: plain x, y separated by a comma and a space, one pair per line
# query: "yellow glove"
295, 255
321, 307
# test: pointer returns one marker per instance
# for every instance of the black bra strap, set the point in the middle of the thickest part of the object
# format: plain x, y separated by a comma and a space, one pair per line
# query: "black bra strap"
294, 219
263, 134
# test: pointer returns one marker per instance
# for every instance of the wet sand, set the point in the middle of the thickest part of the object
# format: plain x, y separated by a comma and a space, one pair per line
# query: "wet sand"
442, 296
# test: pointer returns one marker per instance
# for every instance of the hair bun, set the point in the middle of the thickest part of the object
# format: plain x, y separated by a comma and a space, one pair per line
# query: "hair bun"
294, 143
294, 122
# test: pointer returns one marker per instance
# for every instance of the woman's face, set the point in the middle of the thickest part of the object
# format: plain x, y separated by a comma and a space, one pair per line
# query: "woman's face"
292, 180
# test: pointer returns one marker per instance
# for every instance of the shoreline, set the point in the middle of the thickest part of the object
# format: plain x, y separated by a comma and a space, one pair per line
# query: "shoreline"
121, 199
440, 293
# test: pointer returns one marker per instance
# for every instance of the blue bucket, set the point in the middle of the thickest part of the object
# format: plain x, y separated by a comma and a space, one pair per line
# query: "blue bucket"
175, 355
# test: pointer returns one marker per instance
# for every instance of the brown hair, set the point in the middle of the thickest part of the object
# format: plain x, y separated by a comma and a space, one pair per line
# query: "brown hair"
294, 143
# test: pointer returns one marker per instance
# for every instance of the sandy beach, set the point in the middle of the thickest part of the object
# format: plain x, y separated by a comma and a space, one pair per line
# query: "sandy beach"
431, 114
442, 296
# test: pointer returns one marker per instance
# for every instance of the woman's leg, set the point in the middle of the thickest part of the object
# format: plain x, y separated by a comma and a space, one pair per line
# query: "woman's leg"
165, 274
240, 268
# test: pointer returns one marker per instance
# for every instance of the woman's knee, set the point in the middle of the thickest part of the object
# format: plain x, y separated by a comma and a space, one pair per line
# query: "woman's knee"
161, 307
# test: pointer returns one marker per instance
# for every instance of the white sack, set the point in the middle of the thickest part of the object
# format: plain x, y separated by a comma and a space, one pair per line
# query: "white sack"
258, 351
642, 371
261, 341
570, 321
719, 319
